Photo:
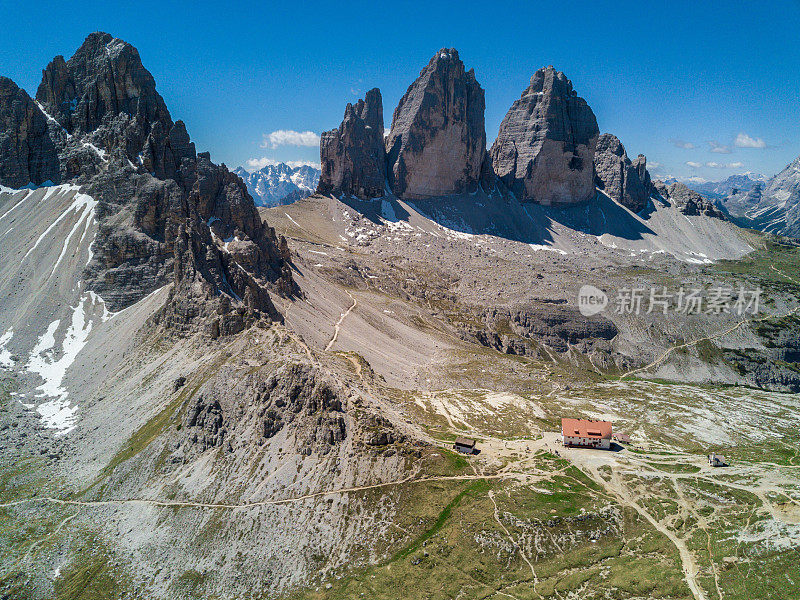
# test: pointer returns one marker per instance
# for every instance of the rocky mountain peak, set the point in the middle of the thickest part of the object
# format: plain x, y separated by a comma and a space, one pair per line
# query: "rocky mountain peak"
352, 157
623, 180
105, 77
104, 95
279, 184
165, 214
437, 141
544, 150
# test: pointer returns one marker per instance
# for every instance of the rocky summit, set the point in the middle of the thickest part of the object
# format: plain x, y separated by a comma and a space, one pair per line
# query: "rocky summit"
165, 213
622, 180
352, 156
437, 142
545, 148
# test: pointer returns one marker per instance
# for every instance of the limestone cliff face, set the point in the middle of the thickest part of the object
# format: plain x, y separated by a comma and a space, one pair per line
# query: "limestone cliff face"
166, 214
27, 153
353, 157
622, 180
437, 142
544, 150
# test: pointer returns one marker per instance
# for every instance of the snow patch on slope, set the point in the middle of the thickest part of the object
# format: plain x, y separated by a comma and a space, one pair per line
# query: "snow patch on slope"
5, 355
81, 203
51, 362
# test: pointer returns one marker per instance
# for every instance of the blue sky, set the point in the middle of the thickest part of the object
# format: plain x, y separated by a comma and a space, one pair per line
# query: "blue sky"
674, 80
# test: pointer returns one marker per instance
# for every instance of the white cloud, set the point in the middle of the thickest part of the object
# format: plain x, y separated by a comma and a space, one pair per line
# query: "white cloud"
745, 141
714, 165
255, 164
682, 144
714, 146
289, 137
651, 164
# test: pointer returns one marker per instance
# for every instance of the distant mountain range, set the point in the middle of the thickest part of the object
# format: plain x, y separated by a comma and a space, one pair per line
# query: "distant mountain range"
280, 184
742, 182
771, 205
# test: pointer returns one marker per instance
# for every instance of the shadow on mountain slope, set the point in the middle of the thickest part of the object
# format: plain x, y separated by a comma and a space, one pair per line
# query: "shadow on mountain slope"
502, 215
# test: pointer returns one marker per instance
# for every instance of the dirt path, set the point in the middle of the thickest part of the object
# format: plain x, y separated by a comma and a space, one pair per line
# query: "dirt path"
178, 504
339, 322
714, 336
704, 525
514, 543
792, 279
690, 568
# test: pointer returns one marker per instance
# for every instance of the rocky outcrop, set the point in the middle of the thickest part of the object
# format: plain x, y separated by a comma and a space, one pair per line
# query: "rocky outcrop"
437, 141
299, 396
687, 201
165, 213
622, 180
205, 423
353, 157
545, 148
555, 325
536, 329
27, 153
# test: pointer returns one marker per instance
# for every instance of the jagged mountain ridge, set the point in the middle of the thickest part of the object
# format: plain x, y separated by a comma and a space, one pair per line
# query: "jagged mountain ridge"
280, 184
548, 151
165, 213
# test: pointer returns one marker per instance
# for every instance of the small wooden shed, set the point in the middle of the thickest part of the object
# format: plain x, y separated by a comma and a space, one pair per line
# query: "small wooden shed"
464, 445
717, 460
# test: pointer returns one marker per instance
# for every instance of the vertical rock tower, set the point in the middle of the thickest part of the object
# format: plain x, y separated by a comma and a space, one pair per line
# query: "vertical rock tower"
352, 157
438, 137
27, 153
622, 180
544, 150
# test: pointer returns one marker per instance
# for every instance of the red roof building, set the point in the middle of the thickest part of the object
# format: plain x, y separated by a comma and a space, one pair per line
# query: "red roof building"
584, 433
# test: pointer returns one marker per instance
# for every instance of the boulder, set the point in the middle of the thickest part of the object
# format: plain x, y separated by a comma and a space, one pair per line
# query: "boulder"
437, 141
544, 150
353, 157
618, 177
